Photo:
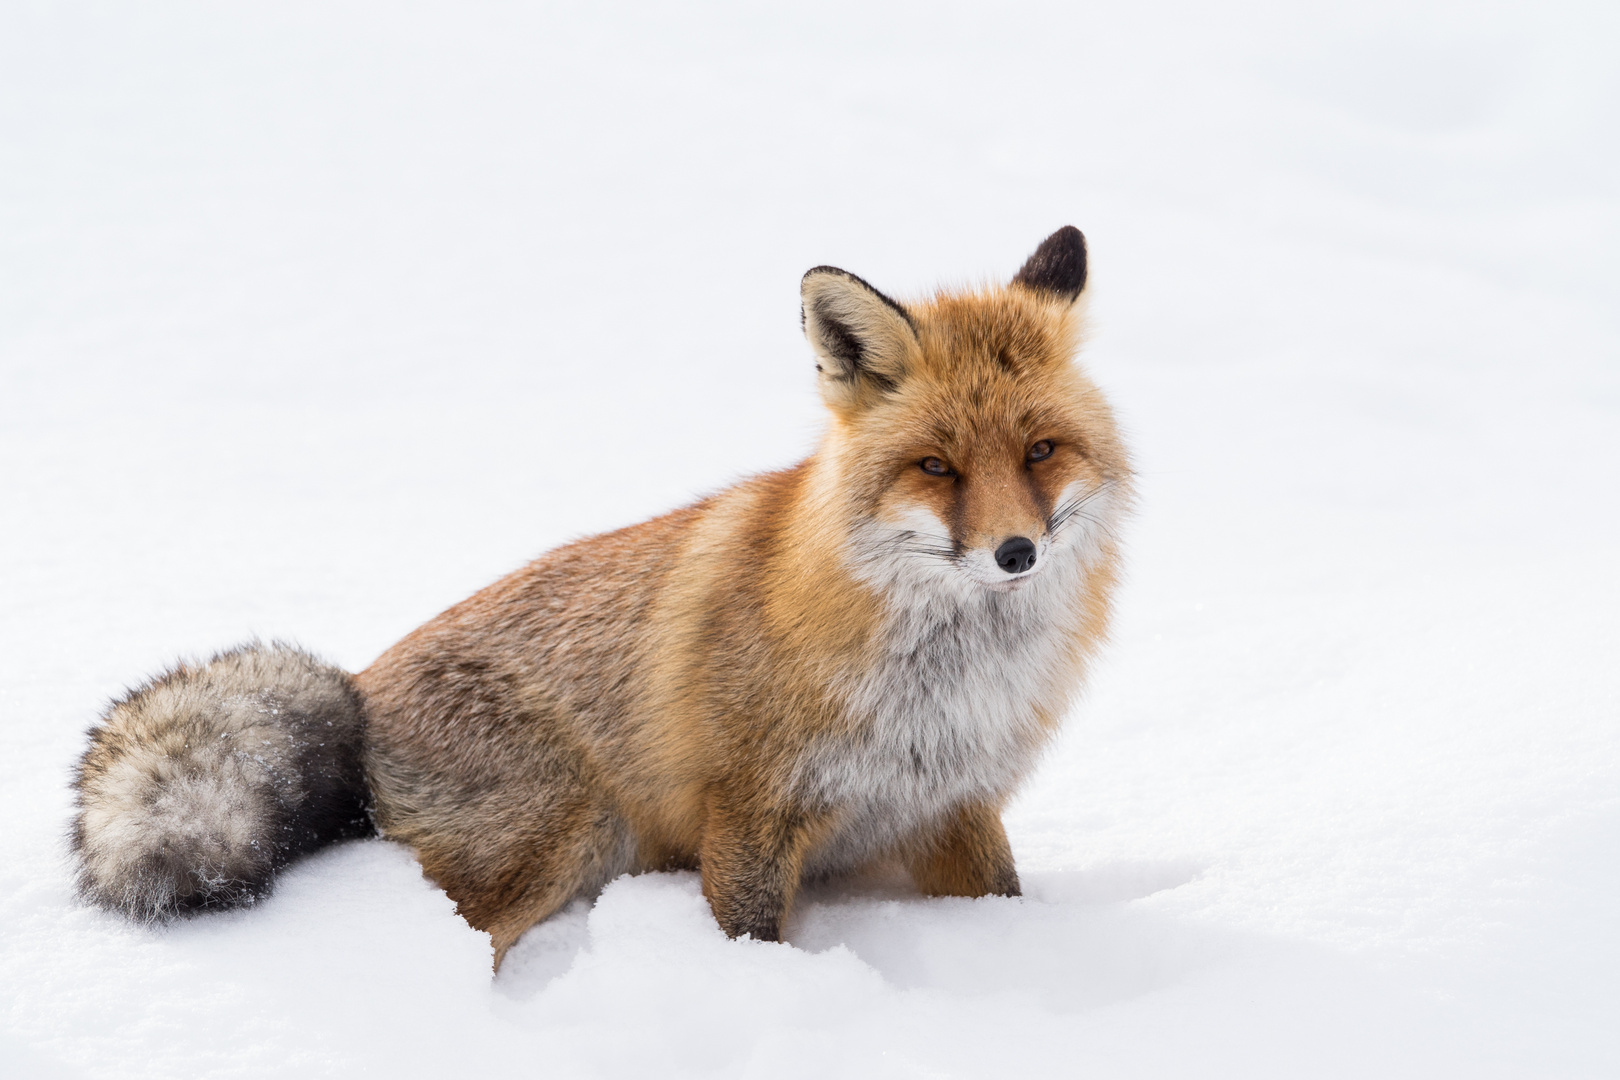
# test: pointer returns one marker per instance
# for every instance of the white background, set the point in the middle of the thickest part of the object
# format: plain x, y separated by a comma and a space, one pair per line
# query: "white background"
314, 318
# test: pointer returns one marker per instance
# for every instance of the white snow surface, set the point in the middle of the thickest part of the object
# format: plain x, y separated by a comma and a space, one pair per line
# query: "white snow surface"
314, 318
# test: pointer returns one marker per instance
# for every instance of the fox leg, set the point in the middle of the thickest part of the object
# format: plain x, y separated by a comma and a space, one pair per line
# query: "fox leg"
966, 854
535, 907
552, 869
751, 859
510, 866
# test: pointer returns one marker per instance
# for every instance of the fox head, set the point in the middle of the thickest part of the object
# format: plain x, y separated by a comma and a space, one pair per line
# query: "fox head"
968, 446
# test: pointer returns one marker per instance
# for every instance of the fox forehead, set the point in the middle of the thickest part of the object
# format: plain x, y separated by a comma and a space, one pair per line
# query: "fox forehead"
993, 372
995, 329
984, 418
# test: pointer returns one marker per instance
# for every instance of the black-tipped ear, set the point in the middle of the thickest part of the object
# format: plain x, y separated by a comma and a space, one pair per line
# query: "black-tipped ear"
1058, 265
862, 339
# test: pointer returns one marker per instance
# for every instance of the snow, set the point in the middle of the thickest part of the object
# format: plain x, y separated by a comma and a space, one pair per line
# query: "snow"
315, 318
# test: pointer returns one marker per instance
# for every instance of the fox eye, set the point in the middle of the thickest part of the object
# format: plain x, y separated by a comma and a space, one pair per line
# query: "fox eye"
934, 467
1041, 450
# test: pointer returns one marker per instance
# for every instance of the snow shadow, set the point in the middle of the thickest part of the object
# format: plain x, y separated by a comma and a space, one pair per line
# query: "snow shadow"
1072, 941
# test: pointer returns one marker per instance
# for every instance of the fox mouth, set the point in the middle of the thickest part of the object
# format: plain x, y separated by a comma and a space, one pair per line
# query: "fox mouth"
982, 568
996, 570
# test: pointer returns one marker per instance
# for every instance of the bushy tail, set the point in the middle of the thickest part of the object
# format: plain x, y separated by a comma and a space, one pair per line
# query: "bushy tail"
202, 783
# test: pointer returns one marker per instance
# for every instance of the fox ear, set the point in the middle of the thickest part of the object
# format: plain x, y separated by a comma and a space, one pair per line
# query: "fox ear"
1058, 266
863, 340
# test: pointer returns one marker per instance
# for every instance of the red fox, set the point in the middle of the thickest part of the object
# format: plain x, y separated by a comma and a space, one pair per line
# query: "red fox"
852, 661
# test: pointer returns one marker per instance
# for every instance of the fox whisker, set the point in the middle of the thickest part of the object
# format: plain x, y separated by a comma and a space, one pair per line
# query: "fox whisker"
1071, 508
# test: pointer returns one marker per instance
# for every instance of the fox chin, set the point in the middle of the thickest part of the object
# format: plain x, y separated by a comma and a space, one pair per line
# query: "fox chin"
856, 660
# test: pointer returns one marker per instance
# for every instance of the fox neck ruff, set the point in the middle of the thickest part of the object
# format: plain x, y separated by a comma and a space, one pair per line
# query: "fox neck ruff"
967, 676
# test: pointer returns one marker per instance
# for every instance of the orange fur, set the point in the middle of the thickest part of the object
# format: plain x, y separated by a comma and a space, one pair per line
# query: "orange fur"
810, 671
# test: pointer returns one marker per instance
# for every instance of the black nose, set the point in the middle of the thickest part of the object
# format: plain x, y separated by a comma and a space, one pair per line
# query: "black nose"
1016, 555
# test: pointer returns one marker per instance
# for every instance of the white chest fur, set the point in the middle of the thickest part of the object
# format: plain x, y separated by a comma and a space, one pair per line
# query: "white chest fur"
949, 712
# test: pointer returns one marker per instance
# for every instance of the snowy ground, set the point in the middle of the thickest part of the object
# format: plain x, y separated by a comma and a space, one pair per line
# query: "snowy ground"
316, 317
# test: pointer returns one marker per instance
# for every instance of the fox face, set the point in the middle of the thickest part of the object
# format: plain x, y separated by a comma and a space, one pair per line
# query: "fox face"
973, 452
